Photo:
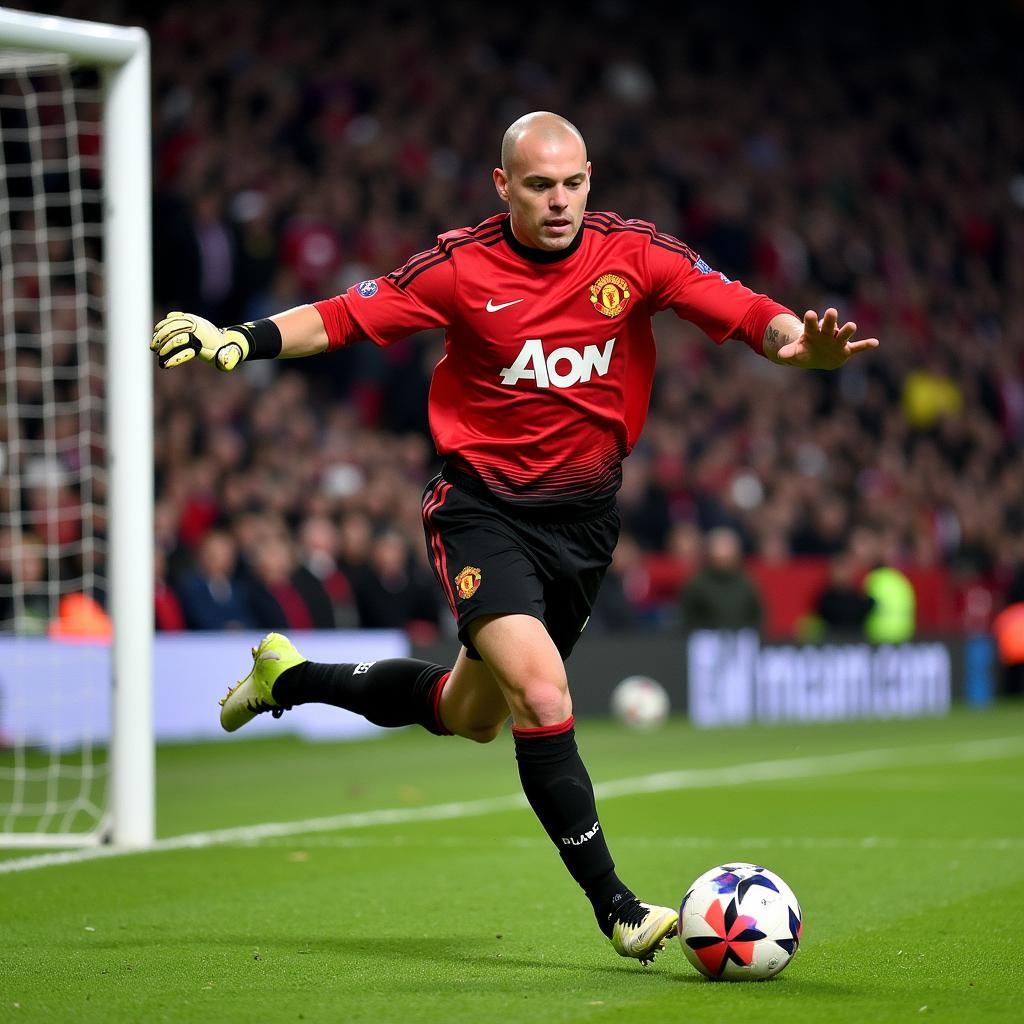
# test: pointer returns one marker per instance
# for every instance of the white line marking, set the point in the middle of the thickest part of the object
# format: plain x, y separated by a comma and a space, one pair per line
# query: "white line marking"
858, 843
693, 778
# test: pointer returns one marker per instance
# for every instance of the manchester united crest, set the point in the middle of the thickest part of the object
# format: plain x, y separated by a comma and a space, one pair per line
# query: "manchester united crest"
610, 294
467, 582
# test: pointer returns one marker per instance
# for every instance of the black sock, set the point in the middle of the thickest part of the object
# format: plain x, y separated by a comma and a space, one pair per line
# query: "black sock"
393, 692
560, 792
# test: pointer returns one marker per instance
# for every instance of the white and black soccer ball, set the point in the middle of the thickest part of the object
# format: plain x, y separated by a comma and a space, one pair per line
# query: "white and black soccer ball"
740, 922
640, 702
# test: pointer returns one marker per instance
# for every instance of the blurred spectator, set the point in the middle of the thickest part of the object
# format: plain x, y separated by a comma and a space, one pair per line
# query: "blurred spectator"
824, 531
25, 602
175, 560
319, 552
930, 393
892, 619
285, 595
310, 246
215, 256
169, 616
200, 507
212, 596
842, 608
684, 545
720, 595
355, 543
391, 593
642, 503
256, 257
623, 589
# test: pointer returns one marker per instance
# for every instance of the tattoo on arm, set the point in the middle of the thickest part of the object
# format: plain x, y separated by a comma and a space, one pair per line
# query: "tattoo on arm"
774, 339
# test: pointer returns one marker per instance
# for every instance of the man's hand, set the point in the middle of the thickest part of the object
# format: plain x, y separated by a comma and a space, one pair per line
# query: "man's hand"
813, 345
181, 336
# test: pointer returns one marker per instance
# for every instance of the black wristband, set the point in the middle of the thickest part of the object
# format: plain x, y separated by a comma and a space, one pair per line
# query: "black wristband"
264, 338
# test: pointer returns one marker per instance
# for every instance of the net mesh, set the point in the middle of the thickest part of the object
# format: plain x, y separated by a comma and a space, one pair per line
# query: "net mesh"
54, 635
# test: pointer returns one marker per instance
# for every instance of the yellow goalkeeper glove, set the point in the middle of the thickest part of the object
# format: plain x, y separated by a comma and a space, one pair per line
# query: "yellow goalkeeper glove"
181, 336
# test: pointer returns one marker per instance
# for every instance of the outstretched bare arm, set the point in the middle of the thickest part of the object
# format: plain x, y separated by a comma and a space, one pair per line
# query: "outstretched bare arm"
810, 344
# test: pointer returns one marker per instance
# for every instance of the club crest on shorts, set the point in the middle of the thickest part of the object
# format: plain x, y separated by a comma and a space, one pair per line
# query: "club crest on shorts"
610, 294
467, 582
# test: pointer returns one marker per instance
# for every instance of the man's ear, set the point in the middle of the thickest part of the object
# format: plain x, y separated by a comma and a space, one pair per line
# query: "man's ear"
500, 183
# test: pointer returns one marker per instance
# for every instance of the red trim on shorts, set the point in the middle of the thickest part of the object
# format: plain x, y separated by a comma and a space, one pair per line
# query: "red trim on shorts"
539, 732
429, 504
432, 504
436, 701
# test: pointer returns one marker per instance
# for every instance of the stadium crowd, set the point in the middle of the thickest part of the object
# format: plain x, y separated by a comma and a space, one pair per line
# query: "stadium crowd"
300, 148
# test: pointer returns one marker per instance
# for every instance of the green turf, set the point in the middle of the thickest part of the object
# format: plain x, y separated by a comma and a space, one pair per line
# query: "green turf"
911, 878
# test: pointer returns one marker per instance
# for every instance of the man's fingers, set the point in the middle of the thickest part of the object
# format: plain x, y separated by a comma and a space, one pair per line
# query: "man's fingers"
179, 349
863, 345
811, 322
828, 322
229, 356
846, 332
171, 317
176, 358
175, 342
170, 325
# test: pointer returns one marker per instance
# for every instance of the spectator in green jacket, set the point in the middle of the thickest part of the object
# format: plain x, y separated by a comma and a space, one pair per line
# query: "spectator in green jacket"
893, 617
720, 595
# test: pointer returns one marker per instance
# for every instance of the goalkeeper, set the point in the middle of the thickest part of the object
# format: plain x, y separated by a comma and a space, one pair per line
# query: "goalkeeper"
542, 392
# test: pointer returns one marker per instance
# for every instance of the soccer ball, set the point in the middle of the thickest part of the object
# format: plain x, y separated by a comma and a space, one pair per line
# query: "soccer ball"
740, 922
640, 702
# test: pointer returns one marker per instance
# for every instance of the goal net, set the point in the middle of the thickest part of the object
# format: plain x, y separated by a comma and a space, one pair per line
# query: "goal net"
75, 435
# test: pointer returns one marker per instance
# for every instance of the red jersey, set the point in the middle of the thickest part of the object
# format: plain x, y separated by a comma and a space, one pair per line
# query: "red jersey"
549, 356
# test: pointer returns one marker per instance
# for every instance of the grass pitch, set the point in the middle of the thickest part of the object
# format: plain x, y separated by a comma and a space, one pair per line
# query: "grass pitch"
904, 842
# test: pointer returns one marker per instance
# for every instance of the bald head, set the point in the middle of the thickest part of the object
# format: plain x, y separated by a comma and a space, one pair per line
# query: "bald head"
545, 179
540, 130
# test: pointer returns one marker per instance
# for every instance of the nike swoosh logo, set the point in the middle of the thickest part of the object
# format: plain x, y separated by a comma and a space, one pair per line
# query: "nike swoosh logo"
492, 308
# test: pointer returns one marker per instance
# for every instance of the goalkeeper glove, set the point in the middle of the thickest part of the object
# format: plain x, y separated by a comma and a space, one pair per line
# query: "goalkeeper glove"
181, 336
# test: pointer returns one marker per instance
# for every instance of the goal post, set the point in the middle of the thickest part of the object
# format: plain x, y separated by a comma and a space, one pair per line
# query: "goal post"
121, 57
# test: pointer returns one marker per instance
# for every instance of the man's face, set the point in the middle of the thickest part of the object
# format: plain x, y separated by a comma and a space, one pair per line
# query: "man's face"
546, 186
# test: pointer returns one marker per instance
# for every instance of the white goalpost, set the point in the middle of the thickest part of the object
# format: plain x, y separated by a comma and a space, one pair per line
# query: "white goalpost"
76, 445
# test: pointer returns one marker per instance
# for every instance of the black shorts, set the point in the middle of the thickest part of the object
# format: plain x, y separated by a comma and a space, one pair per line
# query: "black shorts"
493, 560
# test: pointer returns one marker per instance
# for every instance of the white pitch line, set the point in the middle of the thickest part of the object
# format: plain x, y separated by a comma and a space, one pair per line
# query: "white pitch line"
660, 782
840, 843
